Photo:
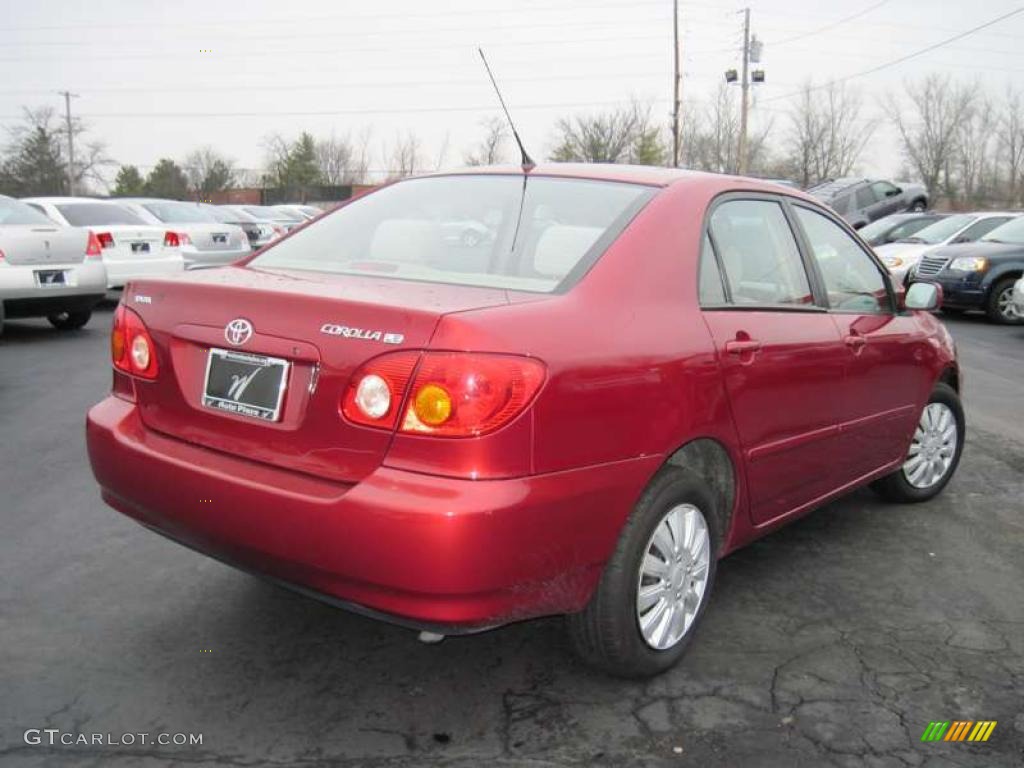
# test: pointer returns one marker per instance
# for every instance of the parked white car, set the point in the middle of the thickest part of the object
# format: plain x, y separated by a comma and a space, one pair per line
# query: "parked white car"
903, 255
47, 270
1018, 297
131, 247
204, 241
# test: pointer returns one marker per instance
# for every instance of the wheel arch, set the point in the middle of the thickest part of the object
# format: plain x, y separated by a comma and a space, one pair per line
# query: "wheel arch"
950, 376
710, 460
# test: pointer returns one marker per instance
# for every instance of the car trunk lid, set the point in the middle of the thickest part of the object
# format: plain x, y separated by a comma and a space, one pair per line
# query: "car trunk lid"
287, 313
41, 244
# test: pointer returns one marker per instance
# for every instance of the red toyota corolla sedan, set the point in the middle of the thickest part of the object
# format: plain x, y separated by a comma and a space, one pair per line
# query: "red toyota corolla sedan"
621, 376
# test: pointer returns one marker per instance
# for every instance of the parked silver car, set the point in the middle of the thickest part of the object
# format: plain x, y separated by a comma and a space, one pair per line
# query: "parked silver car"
131, 247
861, 201
47, 270
283, 218
204, 241
260, 232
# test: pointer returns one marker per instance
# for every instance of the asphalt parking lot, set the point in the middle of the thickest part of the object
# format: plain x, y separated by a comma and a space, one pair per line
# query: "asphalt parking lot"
832, 642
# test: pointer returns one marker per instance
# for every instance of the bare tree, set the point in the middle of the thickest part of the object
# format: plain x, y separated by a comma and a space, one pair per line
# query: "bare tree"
490, 150
341, 160
36, 161
405, 158
209, 171
625, 135
1010, 138
709, 136
975, 165
827, 136
930, 129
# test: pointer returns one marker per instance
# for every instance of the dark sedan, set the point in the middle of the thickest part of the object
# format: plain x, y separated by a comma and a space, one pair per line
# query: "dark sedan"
979, 275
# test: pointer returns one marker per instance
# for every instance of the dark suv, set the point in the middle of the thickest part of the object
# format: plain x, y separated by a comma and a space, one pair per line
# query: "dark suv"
979, 275
861, 201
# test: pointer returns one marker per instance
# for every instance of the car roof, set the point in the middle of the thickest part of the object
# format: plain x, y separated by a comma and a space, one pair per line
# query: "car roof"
648, 175
63, 200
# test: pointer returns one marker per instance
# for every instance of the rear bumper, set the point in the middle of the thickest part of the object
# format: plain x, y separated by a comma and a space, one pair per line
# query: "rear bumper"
421, 550
121, 271
202, 259
18, 281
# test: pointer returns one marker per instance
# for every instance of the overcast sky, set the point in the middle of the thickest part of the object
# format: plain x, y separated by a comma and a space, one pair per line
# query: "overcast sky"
149, 88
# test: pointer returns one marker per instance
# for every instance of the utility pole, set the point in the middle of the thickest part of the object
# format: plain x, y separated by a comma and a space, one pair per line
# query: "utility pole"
741, 160
71, 139
677, 86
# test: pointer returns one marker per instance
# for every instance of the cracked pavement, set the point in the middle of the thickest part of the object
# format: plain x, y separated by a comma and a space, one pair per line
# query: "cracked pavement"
832, 642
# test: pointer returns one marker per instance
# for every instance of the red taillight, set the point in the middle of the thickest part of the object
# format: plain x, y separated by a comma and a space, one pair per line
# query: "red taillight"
175, 239
131, 347
106, 239
454, 394
93, 249
375, 392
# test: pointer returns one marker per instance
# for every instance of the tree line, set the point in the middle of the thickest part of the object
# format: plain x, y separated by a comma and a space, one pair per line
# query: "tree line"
964, 144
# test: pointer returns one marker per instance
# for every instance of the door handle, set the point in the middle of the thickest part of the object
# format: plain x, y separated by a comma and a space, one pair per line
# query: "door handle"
739, 346
855, 341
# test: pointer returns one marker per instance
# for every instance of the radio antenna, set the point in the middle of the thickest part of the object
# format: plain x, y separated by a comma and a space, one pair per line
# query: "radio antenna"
527, 163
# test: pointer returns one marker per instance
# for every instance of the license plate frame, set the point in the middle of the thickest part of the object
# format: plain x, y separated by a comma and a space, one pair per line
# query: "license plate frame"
53, 283
240, 370
142, 247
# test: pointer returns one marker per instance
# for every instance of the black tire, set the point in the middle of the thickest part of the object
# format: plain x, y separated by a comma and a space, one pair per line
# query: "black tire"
918, 206
896, 487
606, 634
69, 321
1002, 292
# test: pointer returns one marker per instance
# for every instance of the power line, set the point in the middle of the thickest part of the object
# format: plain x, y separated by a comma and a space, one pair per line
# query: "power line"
263, 53
336, 112
902, 59
350, 18
827, 27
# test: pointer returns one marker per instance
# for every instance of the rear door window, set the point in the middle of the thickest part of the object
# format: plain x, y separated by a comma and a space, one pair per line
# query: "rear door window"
759, 254
865, 197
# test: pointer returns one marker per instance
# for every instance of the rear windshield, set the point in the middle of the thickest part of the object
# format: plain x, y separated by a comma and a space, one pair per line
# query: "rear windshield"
943, 229
88, 214
178, 213
17, 212
490, 231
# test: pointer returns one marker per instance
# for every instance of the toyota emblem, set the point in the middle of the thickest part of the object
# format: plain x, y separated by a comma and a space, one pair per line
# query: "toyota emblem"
238, 331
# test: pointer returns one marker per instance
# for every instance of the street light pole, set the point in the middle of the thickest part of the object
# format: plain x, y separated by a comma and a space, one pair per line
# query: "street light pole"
676, 86
741, 159
71, 140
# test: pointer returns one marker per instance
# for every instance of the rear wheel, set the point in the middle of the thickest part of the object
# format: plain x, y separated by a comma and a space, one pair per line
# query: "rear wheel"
69, 321
934, 451
656, 585
918, 206
999, 306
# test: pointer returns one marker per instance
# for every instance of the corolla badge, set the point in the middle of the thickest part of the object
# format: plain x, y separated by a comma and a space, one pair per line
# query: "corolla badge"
238, 331
387, 337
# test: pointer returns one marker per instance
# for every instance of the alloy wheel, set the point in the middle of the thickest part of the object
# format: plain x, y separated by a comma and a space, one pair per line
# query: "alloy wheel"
673, 576
1005, 304
933, 449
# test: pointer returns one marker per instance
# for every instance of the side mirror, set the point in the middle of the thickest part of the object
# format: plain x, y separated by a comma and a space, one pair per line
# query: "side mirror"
925, 296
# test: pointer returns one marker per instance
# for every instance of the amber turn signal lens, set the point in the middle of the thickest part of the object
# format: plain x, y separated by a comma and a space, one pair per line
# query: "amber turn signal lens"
433, 405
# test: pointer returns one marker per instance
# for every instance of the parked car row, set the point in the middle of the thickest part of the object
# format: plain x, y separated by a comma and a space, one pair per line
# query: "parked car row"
975, 257
60, 255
